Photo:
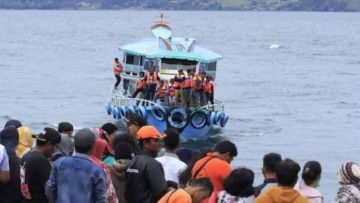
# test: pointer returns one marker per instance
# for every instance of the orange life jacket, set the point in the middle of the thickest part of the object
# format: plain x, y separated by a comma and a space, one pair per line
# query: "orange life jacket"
140, 84
187, 82
117, 68
155, 78
177, 84
171, 90
162, 91
209, 87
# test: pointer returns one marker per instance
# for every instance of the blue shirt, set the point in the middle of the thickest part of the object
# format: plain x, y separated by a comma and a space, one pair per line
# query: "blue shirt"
76, 179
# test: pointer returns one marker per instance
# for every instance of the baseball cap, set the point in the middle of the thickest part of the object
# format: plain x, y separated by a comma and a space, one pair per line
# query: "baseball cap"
84, 138
49, 135
148, 131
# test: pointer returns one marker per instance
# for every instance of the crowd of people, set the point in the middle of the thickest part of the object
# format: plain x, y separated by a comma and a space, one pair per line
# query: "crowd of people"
105, 165
187, 90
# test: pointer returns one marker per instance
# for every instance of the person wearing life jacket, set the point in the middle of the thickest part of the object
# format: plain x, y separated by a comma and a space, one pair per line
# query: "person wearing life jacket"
178, 82
209, 89
197, 90
151, 80
140, 85
187, 89
117, 69
171, 92
203, 100
161, 91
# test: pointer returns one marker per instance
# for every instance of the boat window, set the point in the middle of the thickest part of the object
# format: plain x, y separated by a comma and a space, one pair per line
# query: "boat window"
133, 59
211, 66
171, 66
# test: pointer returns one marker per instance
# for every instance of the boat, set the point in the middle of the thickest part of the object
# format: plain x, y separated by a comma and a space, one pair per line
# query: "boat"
167, 54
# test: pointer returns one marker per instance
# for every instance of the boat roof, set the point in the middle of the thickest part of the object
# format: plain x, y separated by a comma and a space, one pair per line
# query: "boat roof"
172, 48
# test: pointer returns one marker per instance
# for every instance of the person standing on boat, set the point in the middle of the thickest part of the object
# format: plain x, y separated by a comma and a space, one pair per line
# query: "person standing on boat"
140, 86
197, 91
171, 92
186, 89
151, 79
202, 92
117, 69
209, 89
178, 82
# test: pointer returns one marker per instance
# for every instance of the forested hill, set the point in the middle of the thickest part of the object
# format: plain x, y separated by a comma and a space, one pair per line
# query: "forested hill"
257, 5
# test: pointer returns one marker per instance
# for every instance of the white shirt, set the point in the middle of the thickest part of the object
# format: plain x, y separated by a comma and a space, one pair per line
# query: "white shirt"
172, 166
4, 159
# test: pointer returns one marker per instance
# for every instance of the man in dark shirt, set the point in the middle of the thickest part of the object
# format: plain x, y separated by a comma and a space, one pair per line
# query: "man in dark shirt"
35, 167
145, 179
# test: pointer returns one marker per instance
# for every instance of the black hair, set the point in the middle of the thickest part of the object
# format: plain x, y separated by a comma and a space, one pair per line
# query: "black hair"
123, 151
226, 147
142, 73
83, 150
287, 172
270, 161
116, 59
137, 120
311, 172
172, 139
240, 183
65, 127
204, 183
109, 128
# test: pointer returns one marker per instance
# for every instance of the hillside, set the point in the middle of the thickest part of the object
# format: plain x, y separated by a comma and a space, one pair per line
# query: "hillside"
257, 5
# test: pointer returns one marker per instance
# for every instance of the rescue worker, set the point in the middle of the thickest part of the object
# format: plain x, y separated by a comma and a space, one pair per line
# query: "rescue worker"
161, 91
140, 86
117, 69
186, 89
209, 89
203, 100
178, 81
151, 80
171, 92
197, 90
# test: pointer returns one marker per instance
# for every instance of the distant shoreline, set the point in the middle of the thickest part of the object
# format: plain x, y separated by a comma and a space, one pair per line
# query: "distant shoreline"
191, 10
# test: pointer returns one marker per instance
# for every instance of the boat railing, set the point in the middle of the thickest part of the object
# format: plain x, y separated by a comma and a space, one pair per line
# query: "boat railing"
121, 100
217, 106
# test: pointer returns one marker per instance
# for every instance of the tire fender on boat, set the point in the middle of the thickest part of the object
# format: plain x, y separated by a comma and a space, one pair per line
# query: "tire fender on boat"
108, 108
132, 110
114, 111
224, 120
198, 119
141, 111
122, 112
211, 118
217, 118
177, 118
158, 112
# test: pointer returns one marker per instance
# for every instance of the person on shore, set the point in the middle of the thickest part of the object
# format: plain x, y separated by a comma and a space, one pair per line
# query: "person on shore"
25, 141
77, 178
197, 191
66, 128
209, 90
170, 161
140, 86
108, 133
96, 156
134, 122
123, 155
35, 167
209, 166
349, 179
64, 148
310, 180
145, 179
4, 165
270, 162
238, 187
10, 191
178, 82
287, 175
151, 80
117, 69
13, 122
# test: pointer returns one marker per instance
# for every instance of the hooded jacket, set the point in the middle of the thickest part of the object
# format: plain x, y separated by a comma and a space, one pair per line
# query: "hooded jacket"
281, 195
118, 174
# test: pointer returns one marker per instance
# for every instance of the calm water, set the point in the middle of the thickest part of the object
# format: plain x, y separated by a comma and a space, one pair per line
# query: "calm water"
301, 99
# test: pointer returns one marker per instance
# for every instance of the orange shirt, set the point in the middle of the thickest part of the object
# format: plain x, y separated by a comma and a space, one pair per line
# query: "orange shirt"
179, 196
216, 169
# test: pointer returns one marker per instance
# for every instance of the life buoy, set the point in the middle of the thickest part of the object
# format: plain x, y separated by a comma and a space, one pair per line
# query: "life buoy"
141, 111
224, 120
108, 108
177, 118
211, 118
217, 118
158, 112
198, 119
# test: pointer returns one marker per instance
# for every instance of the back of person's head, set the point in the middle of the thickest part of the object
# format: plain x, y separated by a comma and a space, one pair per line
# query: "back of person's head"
13, 122
137, 120
226, 147
123, 151
311, 172
109, 128
141, 74
205, 188
9, 137
287, 172
65, 127
240, 182
172, 139
270, 161
84, 141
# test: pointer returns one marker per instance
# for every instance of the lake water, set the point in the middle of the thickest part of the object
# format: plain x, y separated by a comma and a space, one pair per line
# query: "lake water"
290, 80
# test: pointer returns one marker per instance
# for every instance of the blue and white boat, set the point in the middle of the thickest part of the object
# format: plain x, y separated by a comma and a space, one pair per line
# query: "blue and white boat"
167, 54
